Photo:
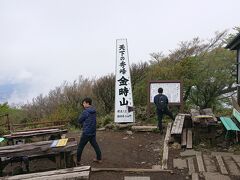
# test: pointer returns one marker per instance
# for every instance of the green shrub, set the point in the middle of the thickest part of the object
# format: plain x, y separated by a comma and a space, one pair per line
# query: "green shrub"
103, 121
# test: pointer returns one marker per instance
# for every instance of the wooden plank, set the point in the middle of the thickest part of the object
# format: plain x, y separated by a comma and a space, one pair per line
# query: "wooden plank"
165, 147
144, 128
38, 123
184, 138
215, 176
235, 104
191, 167
195, 176
84, 175
229, 124
236, 114
168, 135
236, 158
129, 170
189, 139
178, 125
203, 116
181, 125
136, 178
43, 128
175, 125
232, 166
209, 163
34, 133
61, 172
35, 149
200, 162
221, 164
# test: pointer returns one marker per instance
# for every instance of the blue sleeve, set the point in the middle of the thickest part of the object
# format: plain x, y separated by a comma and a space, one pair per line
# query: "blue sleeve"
82, 117
166, 99
155, 100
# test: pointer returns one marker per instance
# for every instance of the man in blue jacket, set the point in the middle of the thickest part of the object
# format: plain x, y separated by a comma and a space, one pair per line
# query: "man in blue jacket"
88, 120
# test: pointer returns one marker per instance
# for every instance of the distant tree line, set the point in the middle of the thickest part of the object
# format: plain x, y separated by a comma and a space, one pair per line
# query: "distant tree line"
206, 68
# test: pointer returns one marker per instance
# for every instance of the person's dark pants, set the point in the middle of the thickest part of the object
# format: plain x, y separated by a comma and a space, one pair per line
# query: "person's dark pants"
160, 114
83, 141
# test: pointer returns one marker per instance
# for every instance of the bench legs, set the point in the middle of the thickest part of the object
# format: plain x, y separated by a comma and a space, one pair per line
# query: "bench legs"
65, 160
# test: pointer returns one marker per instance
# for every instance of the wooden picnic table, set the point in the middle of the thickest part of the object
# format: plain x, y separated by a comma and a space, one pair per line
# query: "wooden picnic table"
205, 124
44, 134
63, 156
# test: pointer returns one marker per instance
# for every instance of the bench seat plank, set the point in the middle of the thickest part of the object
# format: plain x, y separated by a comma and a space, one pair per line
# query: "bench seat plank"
229, 124
236, 114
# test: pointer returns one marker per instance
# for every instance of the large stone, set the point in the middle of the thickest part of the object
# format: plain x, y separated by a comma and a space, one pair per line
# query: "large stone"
156, 167
129, 132
221, 154
188, 153
179, 163
212, 176
209, 163
232, 166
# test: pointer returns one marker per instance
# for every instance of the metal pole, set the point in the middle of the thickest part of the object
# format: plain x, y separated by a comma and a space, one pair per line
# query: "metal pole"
238, 79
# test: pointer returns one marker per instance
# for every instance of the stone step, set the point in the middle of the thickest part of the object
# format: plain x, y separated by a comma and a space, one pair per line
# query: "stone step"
179, 163
191, 167
236, 158
221, 164
215, 176
209, 163
200, 162
195, 176
232, 166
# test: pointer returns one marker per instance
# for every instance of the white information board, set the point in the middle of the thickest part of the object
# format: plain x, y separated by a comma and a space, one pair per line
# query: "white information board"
171, 89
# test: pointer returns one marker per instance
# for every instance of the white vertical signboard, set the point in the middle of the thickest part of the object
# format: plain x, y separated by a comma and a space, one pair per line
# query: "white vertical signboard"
123, 86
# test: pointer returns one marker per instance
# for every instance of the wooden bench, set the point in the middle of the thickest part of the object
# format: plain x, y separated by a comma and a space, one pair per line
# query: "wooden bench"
231, 123
204, 125
42, 134
64, 156
82, 172
177, 126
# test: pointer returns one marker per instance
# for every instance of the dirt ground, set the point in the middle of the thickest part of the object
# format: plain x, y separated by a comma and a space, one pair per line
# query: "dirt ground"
139, 150
119, 150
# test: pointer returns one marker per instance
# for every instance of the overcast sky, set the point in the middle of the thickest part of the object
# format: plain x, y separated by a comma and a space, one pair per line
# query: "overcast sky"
46, 42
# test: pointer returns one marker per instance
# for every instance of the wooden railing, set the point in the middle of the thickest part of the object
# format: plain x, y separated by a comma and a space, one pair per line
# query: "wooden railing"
10, 127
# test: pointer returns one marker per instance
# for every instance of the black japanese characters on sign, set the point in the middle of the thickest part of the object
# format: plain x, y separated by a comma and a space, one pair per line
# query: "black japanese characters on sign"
123, 91
123, 80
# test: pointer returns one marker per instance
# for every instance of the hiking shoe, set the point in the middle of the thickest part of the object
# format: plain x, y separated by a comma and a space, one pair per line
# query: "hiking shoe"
161, 132
78, 163
97, 161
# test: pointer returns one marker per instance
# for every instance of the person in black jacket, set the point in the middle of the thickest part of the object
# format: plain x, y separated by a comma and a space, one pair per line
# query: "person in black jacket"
88, 120
161, 102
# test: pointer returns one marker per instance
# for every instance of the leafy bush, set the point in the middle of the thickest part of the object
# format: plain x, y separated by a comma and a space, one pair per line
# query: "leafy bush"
103, 121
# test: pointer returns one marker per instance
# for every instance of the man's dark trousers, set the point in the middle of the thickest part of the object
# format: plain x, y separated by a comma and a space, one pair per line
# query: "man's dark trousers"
83, 141
160, 114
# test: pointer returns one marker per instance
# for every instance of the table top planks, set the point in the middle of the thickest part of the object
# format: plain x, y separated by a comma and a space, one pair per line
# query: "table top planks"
177, 127
35, 149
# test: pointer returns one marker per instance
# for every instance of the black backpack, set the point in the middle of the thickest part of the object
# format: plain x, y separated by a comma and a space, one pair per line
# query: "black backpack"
162, 102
